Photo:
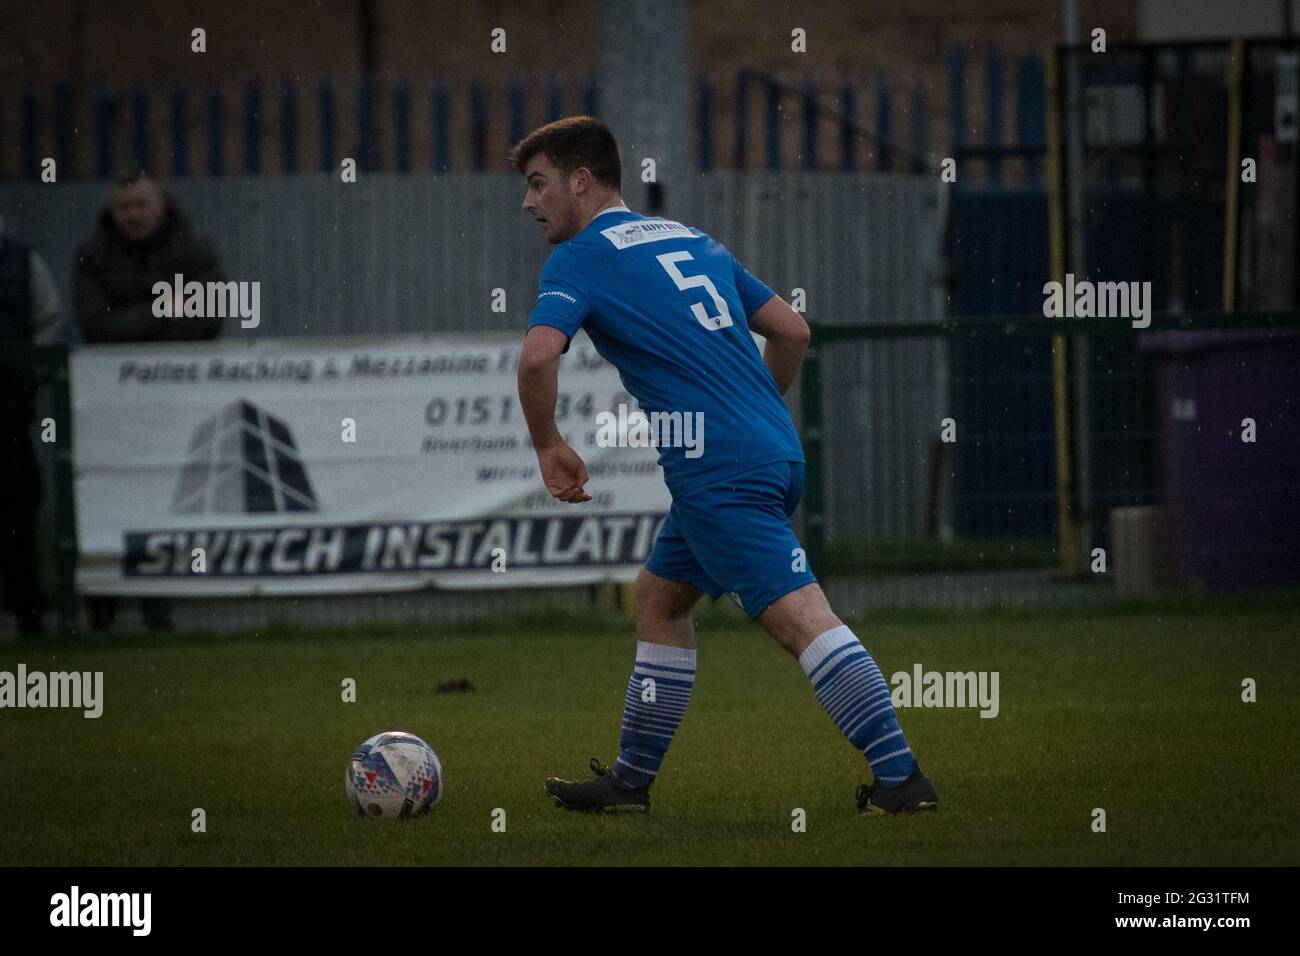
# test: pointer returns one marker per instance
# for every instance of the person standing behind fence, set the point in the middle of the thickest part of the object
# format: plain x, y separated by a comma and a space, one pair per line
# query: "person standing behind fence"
141, 238
29, 315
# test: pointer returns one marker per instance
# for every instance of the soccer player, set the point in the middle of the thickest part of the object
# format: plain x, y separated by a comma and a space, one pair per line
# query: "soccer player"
672, 310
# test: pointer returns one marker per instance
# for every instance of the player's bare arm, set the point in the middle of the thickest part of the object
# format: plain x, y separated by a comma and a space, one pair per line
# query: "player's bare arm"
634, 283
787, 337
562, 468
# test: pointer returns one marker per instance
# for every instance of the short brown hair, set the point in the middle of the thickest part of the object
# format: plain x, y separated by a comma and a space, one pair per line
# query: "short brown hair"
130, 175
573, 142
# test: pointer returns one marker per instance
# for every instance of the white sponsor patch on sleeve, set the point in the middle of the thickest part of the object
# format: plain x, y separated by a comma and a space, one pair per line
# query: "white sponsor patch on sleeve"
645, 230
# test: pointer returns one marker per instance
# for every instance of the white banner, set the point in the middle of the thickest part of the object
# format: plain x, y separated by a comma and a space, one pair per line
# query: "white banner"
313, 466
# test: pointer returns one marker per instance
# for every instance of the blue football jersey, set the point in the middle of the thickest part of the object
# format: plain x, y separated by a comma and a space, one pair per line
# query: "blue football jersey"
669, 307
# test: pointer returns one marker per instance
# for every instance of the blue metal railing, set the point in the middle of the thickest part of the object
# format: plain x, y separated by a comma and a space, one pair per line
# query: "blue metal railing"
343, 115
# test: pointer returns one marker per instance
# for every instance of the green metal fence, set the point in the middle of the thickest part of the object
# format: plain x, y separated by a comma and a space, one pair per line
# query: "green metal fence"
1123, 435
1125, 440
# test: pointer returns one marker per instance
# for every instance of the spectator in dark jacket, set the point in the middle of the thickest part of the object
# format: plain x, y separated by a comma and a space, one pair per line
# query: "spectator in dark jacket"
141, 239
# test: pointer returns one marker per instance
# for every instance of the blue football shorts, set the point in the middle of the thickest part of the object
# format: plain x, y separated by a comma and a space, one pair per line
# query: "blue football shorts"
734, 537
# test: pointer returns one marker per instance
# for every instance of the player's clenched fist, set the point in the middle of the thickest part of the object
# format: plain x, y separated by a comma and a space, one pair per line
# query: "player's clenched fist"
563, 472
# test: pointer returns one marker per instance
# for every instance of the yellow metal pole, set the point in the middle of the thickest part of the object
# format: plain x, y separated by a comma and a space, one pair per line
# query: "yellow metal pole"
607, 596
617, 597
1067, 531
1232, 185
627, 598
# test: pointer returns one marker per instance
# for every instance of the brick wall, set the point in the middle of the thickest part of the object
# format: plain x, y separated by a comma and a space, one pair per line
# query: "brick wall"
134, 43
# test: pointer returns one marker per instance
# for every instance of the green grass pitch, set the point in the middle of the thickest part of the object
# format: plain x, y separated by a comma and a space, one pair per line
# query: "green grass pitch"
1135, 712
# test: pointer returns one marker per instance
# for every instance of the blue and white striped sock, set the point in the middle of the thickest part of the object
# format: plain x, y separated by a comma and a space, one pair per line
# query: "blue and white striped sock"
657, 694
849, 685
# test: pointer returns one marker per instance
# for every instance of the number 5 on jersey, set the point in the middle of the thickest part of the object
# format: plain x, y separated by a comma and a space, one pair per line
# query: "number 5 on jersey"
669, 261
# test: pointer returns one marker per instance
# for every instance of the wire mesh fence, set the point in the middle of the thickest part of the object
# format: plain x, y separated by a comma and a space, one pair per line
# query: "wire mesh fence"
1184, 491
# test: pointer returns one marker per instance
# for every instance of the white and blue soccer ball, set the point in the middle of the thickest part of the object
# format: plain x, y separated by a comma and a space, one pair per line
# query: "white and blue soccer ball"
394, 774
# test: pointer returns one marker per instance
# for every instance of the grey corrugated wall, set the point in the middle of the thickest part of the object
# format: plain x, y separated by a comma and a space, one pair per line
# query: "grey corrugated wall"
417, 253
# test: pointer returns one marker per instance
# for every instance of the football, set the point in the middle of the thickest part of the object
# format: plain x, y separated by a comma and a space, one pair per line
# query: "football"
394, 774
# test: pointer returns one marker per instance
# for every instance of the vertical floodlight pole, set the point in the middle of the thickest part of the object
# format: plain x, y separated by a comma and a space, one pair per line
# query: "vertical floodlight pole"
645, 98
1067, 539
1076, 258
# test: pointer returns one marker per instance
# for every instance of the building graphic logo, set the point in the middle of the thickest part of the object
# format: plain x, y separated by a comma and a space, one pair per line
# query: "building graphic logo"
243, 461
